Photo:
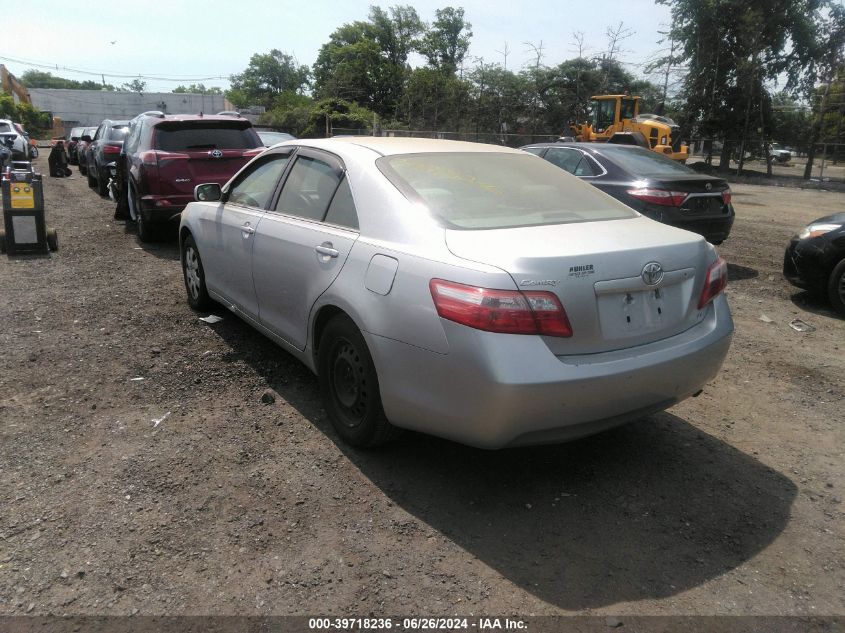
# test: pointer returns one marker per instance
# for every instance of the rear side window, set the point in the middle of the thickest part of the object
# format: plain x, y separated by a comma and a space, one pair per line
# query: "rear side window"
572, 160
208, 136
308, 189
642, 162
5, 127
118, 133
566, 159
342, 209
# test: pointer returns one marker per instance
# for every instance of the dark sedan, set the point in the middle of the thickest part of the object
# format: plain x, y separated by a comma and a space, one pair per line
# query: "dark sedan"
656, 186
102, 152
815, 259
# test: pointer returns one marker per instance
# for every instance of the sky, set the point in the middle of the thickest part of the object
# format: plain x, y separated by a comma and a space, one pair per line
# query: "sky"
205, 41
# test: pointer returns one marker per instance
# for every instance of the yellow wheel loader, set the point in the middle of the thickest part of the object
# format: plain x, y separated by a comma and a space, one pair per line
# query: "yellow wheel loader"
617, 119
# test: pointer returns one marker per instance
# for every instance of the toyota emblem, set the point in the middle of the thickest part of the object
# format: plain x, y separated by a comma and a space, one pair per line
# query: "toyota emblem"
708, 186
216, 153
652, 273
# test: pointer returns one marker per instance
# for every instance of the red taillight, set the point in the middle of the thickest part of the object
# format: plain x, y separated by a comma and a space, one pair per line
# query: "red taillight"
149, 159
109, 148
506, 311
726, 196
714, 282
659, 196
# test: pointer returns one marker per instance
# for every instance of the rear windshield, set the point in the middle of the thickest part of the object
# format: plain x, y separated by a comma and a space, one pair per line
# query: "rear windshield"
206, 136
642, 162
118, 133
492, 190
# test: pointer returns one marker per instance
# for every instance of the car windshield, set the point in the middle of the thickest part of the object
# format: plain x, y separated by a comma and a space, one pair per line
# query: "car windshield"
205, 136
642, 162
494, 190
118, 133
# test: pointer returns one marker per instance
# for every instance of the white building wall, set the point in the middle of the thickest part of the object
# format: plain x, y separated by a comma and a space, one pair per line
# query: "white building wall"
90, 107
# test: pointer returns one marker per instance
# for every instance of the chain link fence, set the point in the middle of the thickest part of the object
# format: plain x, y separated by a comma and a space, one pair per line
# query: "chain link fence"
786, 162
509, 140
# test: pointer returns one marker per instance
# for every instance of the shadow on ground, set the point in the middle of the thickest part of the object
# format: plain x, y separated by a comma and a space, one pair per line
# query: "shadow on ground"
647, 511
738, 273
809, 302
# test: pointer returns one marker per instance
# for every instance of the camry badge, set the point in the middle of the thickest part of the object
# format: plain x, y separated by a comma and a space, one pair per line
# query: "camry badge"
652, 273
216, 153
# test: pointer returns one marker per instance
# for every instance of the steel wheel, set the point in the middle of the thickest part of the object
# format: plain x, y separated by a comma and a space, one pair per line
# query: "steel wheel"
349, 385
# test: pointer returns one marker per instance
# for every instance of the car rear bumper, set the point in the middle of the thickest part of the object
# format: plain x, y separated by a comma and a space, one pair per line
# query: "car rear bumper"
495, 390
164, 208
712, 229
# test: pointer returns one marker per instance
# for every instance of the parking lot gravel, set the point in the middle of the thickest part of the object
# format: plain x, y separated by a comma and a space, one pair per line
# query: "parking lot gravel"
151, 463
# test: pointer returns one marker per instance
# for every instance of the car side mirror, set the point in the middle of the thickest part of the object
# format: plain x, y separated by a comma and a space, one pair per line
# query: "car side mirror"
86, 138
209, 192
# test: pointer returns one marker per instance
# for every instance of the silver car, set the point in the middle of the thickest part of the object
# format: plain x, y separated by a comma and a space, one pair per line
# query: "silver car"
469, 291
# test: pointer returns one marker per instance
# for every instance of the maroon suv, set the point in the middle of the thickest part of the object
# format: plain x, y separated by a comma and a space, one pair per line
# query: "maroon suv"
166, 156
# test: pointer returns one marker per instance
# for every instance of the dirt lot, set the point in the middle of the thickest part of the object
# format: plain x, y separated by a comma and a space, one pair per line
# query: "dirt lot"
730, 503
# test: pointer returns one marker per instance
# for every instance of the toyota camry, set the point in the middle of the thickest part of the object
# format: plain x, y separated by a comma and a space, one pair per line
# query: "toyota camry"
464, 290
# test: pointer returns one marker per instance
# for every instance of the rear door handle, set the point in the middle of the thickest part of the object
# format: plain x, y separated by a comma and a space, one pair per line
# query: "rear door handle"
327, 250
247, 229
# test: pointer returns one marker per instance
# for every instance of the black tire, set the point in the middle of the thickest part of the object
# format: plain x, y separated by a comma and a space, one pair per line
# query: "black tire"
349, 386
82, 169
147, 231
2, 241
194, 275
92, 182
102, 184
836, 288
52, 239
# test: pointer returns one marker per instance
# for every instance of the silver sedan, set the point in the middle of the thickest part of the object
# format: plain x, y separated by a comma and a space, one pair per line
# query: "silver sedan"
469, 291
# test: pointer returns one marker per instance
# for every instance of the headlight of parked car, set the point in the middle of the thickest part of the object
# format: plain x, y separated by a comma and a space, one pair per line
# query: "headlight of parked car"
814, 230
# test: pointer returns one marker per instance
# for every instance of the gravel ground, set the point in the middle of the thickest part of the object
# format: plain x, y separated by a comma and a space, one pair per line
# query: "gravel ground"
730, 503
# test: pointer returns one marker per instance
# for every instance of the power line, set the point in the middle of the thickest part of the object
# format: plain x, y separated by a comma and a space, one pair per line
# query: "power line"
114, 75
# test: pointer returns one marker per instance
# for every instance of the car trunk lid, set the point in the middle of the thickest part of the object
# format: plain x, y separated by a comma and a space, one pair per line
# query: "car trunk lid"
596, 269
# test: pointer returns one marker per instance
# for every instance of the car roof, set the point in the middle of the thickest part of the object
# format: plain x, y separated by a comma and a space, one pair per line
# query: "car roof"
196, 117
389, 146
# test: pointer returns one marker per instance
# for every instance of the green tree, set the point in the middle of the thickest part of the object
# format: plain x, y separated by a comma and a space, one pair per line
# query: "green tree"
266, 77
733, 49
136, 85
791, 121
33, 120
446, 41
434, 101
367, 61
40, 79
198, 89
